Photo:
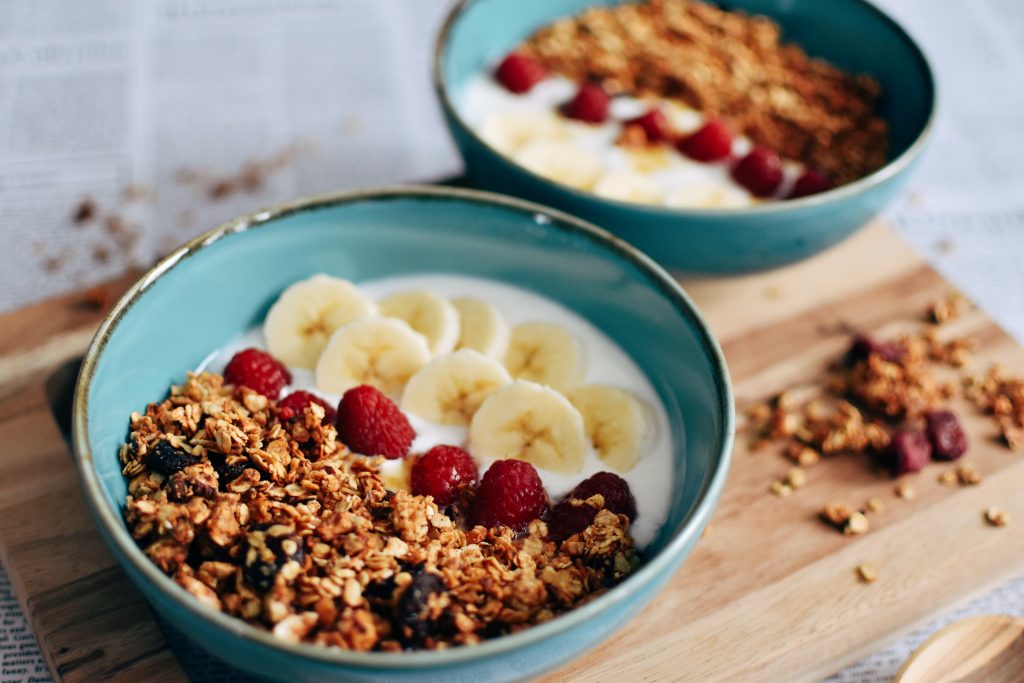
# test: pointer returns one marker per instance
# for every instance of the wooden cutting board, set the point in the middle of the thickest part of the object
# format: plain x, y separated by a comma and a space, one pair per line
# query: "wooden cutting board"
769, 594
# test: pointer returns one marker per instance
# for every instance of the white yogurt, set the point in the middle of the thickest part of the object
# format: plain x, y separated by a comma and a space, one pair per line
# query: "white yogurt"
678, 180
650, 480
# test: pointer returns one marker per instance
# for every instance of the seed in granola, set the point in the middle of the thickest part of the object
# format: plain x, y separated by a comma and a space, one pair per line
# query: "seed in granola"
167, 460
867, 573
997, 516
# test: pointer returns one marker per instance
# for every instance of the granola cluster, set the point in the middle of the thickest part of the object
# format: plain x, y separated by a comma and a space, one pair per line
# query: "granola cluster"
272, 520
725, 64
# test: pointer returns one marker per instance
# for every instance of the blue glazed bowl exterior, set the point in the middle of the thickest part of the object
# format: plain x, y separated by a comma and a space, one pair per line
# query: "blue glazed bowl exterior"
850, 33
209, 291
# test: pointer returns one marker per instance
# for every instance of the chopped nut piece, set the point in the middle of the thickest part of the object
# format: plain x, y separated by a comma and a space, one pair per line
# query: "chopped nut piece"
781, 489
796, 477
867, 573
856, 525
837, 514
949, 478
967, 475
875, 505
905, 491
997, 517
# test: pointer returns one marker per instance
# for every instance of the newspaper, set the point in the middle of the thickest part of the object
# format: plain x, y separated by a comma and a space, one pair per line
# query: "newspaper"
127, 127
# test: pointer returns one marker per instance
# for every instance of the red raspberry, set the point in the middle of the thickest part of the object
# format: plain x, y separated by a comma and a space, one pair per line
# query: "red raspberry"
908, 452
760, 172
946, 435
370, 423
590, 104
655, 126
711, 142
519, 73
294, 403
441, 472
511, 494
259, 371
810, 182
568, 519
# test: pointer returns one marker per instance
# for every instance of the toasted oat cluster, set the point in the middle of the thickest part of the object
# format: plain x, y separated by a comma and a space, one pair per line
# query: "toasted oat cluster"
266, 516
725, 64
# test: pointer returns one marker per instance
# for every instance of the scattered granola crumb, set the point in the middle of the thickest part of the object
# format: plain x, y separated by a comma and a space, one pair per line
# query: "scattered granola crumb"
844, 518
857, 524
949, 478
85, 211
997, 516
967, 475
1002, 397
95, 298
781, 489
100, 254
875, 505
905, 491
796, 477
945, 310
867, 573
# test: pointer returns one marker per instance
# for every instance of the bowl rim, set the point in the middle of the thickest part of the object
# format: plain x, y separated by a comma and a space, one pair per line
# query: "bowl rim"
890, 169
116, 533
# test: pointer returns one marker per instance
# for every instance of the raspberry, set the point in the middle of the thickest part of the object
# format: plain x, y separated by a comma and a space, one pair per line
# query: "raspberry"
590, 104
864, 345
511, 494
259, 371
810, 182
909, 451
760, 172
519, 73
655, 126
294, 403
370, 423
946, 435
711, 142
441, 472
568, 519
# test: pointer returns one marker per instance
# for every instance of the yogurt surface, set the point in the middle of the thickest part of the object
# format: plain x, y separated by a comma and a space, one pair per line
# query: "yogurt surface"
650, 479
521, 126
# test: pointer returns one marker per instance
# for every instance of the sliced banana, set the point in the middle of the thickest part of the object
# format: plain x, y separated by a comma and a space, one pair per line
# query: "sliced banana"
482, 328
427, 313
382, 352
449, 389
306, 314
701, 195
508, 131
561, 161
545, 353
627, 186
617, 422
531, 422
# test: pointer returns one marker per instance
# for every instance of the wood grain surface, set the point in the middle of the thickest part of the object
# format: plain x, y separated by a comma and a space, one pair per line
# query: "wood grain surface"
769, 594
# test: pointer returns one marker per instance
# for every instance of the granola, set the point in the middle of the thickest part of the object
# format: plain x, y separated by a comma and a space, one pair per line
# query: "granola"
272, 520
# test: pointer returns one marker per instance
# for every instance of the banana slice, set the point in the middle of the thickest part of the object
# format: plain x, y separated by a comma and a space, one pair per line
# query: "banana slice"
617, 422
508, 131
707, 196
382, 352
547, 354
481, 327
561, 161
427, 313
449, 389
531, 422
306, 314
627, 186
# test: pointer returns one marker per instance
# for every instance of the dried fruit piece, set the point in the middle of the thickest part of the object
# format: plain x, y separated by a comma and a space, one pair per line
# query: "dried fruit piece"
371, 424
590, 104
413, 611
710, 142
168, 460
296, 402
259, 371
760, 172
946, 435
519, 73
511, 494
909, 451
441, 472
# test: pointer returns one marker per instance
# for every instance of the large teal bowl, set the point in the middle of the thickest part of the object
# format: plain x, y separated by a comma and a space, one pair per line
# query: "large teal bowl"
850, 33
209, 291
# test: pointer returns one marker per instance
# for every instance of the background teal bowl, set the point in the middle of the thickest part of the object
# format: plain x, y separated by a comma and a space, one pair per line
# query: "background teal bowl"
850, 33
209, 291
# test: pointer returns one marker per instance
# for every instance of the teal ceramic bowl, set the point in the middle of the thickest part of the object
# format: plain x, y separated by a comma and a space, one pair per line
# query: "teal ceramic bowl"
850, 33
212, 289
